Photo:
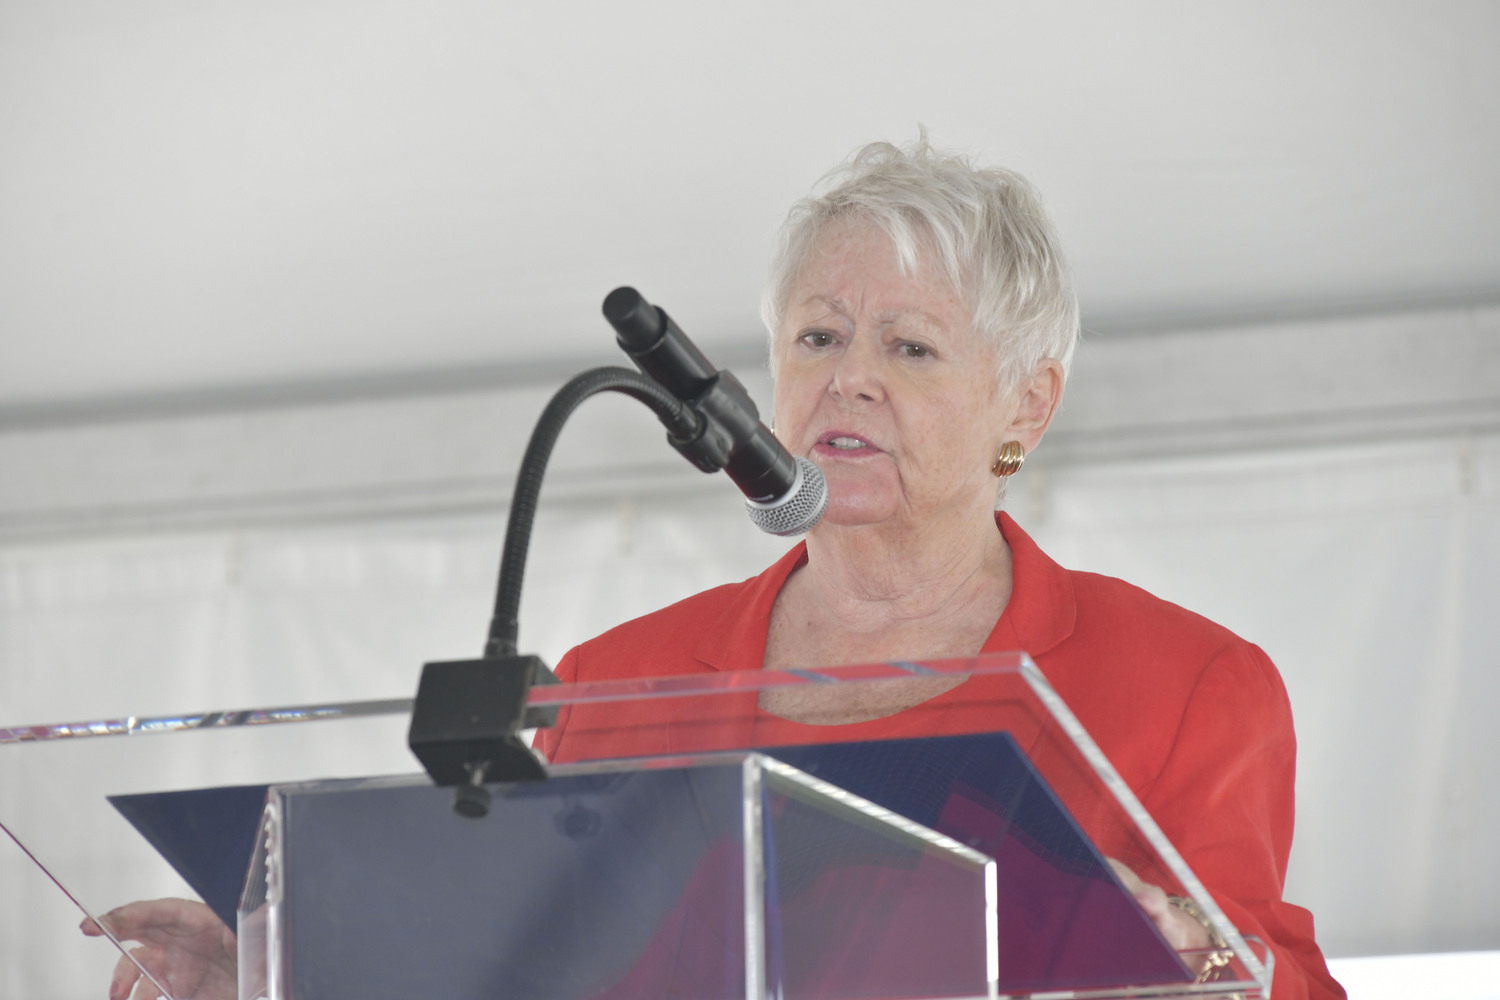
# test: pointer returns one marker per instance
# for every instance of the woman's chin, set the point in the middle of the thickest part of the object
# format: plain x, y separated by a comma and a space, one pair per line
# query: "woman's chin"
849, 511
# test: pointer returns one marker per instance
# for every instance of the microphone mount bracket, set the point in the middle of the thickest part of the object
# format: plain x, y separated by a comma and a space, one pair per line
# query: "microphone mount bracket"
468, 715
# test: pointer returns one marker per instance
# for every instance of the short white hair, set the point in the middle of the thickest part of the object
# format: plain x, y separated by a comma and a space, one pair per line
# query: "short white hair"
983, 229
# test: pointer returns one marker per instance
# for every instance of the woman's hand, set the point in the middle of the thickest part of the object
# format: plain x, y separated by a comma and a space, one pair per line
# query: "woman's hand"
184, 944
1181, 931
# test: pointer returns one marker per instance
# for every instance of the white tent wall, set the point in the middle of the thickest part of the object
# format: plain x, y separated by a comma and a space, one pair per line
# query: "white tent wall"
1343, 512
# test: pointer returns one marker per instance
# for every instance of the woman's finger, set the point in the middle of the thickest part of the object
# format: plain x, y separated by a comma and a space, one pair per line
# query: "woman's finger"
1131, 880
128, 922
151, 958
124, 978
1181, 931
145, 990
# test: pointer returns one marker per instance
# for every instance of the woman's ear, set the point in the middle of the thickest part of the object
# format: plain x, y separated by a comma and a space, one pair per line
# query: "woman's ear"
1040, 396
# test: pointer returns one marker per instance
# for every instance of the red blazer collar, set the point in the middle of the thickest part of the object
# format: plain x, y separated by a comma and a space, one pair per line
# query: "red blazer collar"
737, 641
1041, 612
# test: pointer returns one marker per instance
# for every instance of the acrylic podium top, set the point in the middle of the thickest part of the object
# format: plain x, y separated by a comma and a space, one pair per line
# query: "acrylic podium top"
55, 777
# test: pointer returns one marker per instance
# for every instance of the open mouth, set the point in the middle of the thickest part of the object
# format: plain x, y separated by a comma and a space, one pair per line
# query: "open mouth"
844, 443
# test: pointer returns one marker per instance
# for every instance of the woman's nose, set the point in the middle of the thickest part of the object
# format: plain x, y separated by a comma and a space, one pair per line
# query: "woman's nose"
858, 374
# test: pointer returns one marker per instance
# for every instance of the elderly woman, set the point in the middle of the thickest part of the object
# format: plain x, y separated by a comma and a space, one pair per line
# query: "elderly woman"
922, 322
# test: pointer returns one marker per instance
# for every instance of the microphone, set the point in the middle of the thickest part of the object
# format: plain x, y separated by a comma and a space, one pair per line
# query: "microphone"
784, 494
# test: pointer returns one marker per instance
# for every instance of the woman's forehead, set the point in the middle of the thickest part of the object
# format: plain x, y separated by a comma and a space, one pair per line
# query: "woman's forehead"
852, 258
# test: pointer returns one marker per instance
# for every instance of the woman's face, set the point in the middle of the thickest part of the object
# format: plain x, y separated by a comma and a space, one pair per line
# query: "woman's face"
883, 383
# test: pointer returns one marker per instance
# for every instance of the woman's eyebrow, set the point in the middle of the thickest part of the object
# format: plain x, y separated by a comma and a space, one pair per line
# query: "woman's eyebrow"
925, 318
839, 306
834, 304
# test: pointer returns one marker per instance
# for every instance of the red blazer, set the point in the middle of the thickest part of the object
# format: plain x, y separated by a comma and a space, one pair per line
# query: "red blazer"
1195, 719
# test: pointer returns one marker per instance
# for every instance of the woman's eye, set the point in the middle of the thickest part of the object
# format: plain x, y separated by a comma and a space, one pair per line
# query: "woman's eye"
817, 338
915, 350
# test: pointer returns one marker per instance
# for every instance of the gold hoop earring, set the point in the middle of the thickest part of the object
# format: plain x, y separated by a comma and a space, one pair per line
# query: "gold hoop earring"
1012, 455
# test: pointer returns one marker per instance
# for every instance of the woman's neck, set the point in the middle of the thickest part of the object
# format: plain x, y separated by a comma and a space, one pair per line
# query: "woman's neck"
863, 597
890, 575
871, 592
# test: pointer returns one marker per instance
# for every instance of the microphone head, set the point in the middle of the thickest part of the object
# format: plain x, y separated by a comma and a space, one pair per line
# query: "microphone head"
638, 324
798, 509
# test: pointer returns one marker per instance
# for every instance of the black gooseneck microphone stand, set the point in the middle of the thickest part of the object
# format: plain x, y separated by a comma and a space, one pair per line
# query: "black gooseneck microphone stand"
468, 715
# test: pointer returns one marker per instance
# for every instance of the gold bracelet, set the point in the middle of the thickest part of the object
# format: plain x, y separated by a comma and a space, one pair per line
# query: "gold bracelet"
1221, 954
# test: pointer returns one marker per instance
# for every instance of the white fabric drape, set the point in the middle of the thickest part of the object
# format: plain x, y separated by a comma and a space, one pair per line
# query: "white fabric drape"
1369, 573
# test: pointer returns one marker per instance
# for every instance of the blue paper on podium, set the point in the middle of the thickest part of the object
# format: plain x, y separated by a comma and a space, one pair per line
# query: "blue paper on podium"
583, 859
206, 834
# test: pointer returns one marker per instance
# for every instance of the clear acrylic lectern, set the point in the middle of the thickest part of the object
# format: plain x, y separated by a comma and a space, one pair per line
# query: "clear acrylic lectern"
731, 858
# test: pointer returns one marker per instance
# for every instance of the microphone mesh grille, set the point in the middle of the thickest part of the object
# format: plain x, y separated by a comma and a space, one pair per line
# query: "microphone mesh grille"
799, 510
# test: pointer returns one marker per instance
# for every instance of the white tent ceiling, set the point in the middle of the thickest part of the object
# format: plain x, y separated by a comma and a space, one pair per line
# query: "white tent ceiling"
211, 194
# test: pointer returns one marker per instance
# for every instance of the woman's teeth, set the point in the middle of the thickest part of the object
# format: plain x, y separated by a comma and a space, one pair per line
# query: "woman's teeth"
847, 443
